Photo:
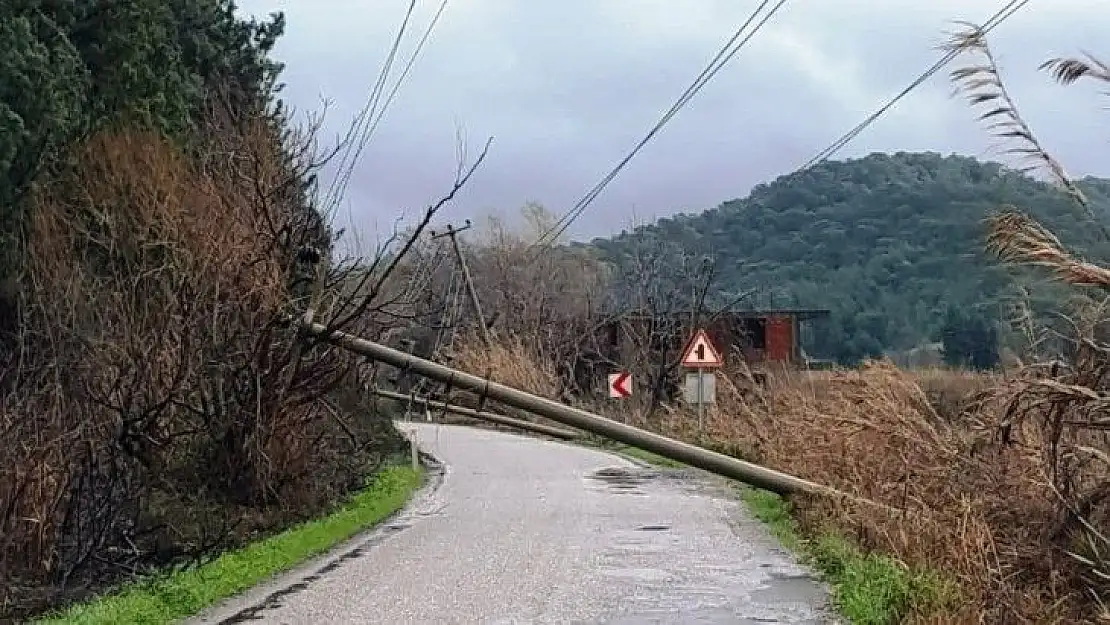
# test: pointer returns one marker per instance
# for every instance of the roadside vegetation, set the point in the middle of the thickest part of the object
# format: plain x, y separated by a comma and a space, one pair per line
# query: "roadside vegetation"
992, 485
168, 597
160, 225
868, 588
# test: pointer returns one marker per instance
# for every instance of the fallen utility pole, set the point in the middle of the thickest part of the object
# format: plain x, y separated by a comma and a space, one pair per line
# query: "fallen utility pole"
720, 464
453, 233
538, 428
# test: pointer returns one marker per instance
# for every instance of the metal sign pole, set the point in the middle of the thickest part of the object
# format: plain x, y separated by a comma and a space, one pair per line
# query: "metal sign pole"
701, 400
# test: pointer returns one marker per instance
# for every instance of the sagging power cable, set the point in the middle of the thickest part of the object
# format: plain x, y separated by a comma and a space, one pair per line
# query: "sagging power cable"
371, 114
726, 53
1003, 14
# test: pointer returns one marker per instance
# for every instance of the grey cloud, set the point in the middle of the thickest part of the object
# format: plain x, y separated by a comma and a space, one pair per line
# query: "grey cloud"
568, 87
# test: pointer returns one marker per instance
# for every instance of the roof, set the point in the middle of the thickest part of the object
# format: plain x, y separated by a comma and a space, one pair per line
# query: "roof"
755, 313
801, 313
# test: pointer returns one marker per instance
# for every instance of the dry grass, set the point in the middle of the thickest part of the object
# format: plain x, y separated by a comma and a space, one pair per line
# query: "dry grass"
503, 363
977, 507
975, 511
1001, 483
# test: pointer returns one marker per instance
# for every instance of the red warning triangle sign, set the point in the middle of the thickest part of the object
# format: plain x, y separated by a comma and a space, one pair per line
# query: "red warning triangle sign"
700, 353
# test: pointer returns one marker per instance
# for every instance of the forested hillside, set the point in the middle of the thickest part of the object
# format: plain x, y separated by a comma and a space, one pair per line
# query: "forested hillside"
890, 243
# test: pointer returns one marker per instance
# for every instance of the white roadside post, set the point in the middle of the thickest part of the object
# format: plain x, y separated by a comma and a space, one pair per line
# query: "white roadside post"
700, 354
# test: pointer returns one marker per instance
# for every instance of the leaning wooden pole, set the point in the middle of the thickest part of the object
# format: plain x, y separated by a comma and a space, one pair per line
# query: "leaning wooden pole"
538, 428
695, 456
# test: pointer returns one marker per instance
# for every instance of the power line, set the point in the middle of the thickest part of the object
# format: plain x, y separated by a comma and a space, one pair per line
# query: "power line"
408, 67
369, 132
366, 116
358, 131
706, 74
727, 52
1012, 7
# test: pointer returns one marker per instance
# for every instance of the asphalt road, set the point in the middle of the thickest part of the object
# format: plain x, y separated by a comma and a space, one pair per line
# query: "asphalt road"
520, 530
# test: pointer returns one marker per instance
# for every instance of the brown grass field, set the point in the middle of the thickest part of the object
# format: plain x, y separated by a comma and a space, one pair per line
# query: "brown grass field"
983, 471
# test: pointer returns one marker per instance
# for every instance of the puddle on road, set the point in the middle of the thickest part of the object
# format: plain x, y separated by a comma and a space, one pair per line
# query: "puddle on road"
679, 576
704, 616
790, 589
623, 480
640, 576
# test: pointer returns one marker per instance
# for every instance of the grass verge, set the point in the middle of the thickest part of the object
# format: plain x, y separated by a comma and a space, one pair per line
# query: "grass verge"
868, 588
636, 453
173, 596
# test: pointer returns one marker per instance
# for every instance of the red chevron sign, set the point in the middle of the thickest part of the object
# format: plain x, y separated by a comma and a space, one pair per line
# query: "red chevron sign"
620, 385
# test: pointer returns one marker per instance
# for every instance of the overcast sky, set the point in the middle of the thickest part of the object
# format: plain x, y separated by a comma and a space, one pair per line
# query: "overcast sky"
567, 87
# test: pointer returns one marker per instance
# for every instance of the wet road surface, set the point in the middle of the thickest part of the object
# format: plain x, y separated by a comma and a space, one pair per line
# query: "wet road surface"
521, 530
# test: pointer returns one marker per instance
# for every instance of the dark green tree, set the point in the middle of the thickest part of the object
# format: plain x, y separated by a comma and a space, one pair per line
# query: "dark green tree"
970, 340
68, 69
43, 90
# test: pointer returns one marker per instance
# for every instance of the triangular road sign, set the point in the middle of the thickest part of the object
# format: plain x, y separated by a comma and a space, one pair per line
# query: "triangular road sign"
700, 353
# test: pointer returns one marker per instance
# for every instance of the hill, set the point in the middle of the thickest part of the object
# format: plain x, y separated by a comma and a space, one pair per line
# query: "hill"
888, 242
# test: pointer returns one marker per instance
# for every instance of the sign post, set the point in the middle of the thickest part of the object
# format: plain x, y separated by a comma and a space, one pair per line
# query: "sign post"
701, 399
700, 354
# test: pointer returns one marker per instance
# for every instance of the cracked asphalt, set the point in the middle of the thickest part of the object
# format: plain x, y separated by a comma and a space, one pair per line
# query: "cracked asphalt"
514, 529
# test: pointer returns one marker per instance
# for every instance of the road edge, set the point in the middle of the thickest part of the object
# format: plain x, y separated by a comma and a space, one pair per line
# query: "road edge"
268, 594
791, 546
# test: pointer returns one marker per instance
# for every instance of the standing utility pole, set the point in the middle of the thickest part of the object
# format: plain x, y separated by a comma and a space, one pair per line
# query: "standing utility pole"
453, 232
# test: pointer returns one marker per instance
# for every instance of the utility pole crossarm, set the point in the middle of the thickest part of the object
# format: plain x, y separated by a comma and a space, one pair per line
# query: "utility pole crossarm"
452, 233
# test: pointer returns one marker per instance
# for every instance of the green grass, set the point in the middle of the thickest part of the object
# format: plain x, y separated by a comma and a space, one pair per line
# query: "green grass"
646, 456
173, 596
868, 588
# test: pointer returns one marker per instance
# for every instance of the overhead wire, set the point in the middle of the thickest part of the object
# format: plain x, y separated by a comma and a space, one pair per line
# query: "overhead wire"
367, 122
1002, 15
450, 316
369, 133
726, 53
446, 305
408, 67
451, 306
346, 161
564, 223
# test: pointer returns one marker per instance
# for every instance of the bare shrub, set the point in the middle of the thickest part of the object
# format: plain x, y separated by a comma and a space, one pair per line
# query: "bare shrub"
157, 404
546, 299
